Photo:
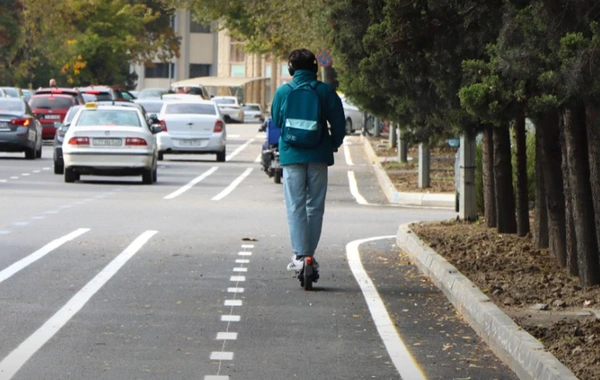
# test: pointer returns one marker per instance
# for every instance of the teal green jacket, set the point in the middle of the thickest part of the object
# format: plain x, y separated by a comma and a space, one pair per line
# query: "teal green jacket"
331, 109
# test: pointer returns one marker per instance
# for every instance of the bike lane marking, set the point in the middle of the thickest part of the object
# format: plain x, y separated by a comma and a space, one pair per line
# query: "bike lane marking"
232, 186
191, 184
17, 358
35, 256
354, 189
405, 364
239, 149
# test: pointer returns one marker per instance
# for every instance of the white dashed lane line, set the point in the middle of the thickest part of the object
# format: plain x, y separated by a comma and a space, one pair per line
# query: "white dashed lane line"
227, 335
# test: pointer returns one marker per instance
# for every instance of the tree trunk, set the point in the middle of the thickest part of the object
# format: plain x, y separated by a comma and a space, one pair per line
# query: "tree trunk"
570, 237
505, 198
521, 183
489, 197
593, 140
549, 134
581, 196
540, 220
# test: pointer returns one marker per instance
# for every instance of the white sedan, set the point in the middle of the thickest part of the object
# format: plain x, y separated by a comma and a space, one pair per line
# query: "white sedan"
191, 126
110, 140
230, 108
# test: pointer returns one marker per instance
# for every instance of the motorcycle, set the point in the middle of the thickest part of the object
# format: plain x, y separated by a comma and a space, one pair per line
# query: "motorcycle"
270, 152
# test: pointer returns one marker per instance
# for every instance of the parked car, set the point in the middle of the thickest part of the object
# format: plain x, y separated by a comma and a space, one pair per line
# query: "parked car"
106, 139
20, 130
354, 116
59, 136
253, 113
192, 126
230, 108
50, 108
152, 93
13, 92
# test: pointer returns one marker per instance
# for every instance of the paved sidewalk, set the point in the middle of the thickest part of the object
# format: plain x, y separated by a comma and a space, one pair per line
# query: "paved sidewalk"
524, 354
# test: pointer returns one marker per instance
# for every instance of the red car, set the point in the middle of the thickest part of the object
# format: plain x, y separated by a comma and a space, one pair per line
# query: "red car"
49, 109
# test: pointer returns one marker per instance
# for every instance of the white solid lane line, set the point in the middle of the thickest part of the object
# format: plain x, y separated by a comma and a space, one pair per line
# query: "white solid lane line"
403, 361
23, 263
232, 186
354, 189
16, 359
239, 149
348, 156
191, 184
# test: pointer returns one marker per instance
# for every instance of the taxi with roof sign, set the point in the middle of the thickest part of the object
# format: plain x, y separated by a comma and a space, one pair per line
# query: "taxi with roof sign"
110, 140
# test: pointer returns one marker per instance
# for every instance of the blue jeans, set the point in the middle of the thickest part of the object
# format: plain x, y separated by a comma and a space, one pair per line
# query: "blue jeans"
304, 189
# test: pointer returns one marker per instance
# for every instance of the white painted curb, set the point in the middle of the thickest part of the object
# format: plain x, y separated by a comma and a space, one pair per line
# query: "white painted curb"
524, 354
437, 200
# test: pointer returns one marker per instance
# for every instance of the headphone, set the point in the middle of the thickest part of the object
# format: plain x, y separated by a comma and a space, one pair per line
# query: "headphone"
314, 67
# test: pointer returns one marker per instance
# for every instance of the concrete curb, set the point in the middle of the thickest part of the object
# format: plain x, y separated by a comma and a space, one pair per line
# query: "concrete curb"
524, 354
437, 200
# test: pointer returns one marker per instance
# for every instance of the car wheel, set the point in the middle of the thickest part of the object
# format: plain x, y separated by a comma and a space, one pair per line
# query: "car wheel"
349, 129
58, 169
147, 176
161, 156
221, 156
154, 175
70, 175
30, 154
38, 153
227, 119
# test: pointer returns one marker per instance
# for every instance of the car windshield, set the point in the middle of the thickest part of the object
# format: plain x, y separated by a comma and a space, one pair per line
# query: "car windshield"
112, 117
10, 106
51, 102
224, 101
251, 108
12, 92
71, 114
190, 108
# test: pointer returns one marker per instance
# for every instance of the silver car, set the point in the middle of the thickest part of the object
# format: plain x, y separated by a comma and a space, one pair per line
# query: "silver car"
354, 116
20, 130
253, 113
230, 108
191, 126
110, 140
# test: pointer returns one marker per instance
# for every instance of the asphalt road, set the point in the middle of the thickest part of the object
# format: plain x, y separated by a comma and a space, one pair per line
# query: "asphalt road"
108, 278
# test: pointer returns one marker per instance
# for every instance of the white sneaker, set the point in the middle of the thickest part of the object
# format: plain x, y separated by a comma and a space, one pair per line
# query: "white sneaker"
295, 265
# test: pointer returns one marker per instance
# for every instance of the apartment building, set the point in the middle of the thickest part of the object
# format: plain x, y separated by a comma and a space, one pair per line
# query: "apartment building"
208, 53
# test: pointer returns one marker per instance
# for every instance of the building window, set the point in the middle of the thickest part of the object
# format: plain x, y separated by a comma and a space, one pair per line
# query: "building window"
196, 27
198, 70
159, 70
284, 70
238, 70
268, 70
237, 53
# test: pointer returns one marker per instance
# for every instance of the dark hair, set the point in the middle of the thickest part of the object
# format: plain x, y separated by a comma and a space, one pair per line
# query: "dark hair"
302, 59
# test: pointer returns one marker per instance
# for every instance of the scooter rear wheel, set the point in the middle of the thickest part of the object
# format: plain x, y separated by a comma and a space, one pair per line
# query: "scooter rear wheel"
307, 274
277, 176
